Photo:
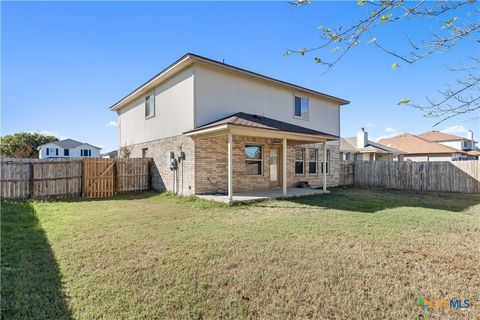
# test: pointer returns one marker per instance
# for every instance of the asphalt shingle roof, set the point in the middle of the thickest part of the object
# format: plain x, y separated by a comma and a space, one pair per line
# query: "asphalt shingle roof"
412, 144
261, 122
70, 144
349, 145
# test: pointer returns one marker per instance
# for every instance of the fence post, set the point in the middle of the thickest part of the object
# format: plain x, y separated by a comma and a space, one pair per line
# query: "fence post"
149, 170
82, 182
115, 177
31, 172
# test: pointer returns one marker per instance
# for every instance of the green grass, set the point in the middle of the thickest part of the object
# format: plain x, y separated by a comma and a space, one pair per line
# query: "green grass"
352, 254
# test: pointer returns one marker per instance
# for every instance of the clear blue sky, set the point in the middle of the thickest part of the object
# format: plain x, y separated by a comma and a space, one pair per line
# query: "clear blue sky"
64, 64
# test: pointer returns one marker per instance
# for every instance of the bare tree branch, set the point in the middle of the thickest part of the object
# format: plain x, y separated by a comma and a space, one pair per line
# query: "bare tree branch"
454, 26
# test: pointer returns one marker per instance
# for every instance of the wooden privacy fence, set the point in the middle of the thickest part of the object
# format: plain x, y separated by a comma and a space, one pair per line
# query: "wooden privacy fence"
455, 176
346, 177
106, 177
66, 178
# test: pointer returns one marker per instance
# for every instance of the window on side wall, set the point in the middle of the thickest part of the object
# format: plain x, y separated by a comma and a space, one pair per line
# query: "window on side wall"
144, 152
149, 106
253, 160
299, 160
327, 163
312, 161
301, 107
66, 152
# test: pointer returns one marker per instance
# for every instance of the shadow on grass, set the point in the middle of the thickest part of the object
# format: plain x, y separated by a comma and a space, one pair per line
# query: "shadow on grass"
31, 281
148, 194
373, 200
135, 195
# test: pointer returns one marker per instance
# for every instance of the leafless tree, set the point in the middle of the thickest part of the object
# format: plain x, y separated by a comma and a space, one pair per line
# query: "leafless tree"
457, 21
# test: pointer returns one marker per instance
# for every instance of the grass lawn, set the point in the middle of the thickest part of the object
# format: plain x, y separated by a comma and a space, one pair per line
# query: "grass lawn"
352, 254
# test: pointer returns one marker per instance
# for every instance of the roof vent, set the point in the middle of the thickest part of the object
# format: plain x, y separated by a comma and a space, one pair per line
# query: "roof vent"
257, 116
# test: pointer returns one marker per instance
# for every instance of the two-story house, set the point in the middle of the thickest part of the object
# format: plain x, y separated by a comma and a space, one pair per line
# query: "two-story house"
466, 144
212, 127
434, 146
68, 148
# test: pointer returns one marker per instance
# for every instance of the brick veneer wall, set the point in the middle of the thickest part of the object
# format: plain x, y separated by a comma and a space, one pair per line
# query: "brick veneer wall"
333, 175
206, 159
211, 162
162, 177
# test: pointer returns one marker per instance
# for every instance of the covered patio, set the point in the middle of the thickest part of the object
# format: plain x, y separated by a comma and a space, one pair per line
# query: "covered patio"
233, 138
257, 195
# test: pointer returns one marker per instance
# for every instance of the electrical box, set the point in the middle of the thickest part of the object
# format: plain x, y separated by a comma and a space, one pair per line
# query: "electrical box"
170, 156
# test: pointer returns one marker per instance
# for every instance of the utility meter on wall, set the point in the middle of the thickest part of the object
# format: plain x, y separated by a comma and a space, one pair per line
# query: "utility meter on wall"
171, 161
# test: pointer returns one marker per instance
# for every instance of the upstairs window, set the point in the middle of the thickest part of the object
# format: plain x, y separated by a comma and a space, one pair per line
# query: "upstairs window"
253, 160
149, 106
299, 160
301, 107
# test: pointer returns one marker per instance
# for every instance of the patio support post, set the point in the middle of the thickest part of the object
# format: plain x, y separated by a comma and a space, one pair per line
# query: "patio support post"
230, 168
324, 166
284, 163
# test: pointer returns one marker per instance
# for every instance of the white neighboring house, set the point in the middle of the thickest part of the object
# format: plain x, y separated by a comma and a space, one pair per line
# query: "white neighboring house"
461, 143
68, 148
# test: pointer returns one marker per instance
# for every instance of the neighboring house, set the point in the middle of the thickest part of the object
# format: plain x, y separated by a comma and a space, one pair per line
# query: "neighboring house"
212, 127
68, 148
467, 144
360, 148
110, 155
416, 148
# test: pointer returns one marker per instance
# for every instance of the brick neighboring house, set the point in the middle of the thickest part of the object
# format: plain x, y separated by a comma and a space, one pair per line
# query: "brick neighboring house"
230, 130
360, 148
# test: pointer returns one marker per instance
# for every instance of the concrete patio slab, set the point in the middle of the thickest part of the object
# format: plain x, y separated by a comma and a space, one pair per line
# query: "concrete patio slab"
275, 193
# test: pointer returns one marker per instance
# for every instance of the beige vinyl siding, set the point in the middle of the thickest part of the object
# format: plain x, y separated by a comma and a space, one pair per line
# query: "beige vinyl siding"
173, 112
453, 144
429, 157
219, 94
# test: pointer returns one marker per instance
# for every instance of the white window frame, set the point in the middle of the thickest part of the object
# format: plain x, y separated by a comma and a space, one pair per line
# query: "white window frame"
327, 166
308, 107
85, 152
295, 162
149, 97
309, 161
256, 160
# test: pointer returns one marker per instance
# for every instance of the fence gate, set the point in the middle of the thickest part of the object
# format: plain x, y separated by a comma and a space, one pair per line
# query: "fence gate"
99, 177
